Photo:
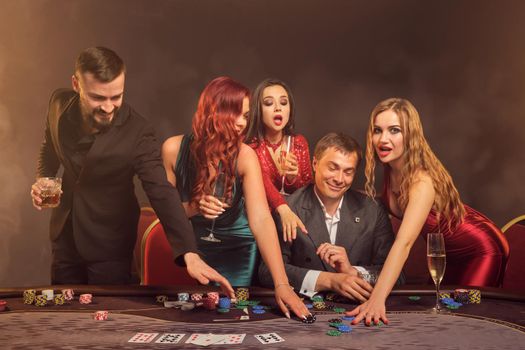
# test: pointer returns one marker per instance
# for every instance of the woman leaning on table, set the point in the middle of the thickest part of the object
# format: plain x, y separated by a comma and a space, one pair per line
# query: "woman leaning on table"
419, 191
192, 163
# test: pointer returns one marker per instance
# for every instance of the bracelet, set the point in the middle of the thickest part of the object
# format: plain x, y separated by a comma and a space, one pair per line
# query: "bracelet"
283, 284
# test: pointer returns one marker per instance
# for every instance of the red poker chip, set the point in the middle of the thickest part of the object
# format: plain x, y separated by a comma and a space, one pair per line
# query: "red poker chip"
3, 305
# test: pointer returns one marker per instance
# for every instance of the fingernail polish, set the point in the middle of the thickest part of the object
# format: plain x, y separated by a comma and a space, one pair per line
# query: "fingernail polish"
287, 315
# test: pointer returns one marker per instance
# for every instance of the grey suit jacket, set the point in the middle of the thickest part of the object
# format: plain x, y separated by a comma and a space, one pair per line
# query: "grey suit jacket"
364, 230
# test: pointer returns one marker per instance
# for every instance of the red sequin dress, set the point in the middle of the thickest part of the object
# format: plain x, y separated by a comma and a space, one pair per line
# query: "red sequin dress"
477, 251
268, 159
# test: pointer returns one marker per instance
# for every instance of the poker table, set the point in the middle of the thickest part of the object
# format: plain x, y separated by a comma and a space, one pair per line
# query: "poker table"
497, 323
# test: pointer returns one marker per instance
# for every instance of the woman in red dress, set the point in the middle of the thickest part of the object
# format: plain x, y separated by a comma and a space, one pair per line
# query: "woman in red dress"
271, 119
419, 191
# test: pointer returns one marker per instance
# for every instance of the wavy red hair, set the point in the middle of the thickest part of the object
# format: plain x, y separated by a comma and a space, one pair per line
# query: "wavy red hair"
215, 138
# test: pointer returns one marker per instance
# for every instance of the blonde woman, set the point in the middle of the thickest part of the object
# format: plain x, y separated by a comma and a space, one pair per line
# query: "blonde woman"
419, 191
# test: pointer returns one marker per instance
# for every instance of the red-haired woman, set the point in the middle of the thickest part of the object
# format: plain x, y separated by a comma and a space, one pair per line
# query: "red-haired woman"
192, 163
271, 119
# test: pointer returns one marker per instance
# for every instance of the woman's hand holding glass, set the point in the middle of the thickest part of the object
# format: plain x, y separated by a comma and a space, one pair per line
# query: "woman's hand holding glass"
290, 168
211, 207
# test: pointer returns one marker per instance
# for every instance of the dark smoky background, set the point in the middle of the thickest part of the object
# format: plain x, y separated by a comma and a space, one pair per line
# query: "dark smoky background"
462, 63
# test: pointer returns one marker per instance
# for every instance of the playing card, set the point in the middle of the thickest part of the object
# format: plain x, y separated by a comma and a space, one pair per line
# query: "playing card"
204, 339
143, 337
269, 338
232, 339
170, 338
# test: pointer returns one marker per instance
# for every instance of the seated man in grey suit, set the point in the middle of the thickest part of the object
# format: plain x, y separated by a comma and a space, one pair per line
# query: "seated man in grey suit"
349, 235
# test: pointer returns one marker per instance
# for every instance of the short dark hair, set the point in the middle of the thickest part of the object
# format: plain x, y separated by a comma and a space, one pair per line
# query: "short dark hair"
255, 131
103, 63
341, 142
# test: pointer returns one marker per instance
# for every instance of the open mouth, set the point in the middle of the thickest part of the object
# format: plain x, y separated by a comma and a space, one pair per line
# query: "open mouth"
278, 120
383, 151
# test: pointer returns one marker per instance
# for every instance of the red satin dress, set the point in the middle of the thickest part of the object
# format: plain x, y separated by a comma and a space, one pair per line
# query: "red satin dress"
477, 251
267, 152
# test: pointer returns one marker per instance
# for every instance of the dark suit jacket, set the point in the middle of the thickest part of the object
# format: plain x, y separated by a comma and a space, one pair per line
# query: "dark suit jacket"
101, 198
364, 230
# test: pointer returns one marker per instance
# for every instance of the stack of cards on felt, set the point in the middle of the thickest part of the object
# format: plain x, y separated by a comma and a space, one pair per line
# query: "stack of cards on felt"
269, 338
143, 337
170, 338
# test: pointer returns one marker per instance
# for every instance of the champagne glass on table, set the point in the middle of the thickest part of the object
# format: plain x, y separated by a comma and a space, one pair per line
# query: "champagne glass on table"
286, 147
220, 189
436, 260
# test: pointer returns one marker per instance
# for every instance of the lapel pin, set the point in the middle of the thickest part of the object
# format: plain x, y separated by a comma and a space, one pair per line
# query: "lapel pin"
357, 219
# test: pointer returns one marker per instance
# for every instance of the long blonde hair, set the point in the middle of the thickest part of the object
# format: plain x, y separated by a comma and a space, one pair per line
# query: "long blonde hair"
417, 156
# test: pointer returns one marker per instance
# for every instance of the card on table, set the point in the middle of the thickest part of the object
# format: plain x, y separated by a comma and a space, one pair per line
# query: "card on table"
269, 338
170, 338
142, 337
232, 339
204, 339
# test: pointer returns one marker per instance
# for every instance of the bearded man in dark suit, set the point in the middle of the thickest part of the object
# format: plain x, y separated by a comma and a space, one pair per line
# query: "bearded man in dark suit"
101, 143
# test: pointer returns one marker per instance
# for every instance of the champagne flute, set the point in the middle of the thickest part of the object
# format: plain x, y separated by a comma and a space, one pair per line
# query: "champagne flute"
436, 261
286, 147
219, 191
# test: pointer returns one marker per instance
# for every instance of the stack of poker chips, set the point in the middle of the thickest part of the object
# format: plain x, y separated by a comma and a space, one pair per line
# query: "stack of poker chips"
318, 303
41, 300
85, 298
183, 296
214, 296
208, 303
224, 303
474, 296
461, 296
48, 293
443, 295
100, 315
196, 297
59, 299
161, 298
29, 296
3, 305
242, 294
68, 294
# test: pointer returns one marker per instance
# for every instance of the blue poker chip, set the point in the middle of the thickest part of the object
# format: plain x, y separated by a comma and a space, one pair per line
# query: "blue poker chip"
447, 301
258, 307
348, 318
309, 306
344, 328
258, 311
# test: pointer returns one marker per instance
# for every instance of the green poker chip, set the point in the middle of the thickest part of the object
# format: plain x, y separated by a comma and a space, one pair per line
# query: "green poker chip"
317, 298
339, 310
414, 297
333, 333
243, 303
223, 311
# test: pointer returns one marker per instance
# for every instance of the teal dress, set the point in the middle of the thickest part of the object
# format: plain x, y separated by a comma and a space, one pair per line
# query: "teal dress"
236, 256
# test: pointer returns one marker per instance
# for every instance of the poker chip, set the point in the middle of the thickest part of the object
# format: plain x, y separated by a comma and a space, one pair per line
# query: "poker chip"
187, 306
59, 299
68, 294
29, 296
348, 318
335, 320
242, 303
333, 333
3, 305
443, 295
223, 310
474, 296
339, 310
48, 293
309, 306
344, 328
335, 324
225, 303
447, 300
161, 298
258, 311
85, 298
330, 296
258, 307
183, 296
253, 302
196, 297
100, 315
309, 319
461, 296
242, 294
316, 298
378, 324
208, 303
41, 300
214, 296
414, 297
319, 305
